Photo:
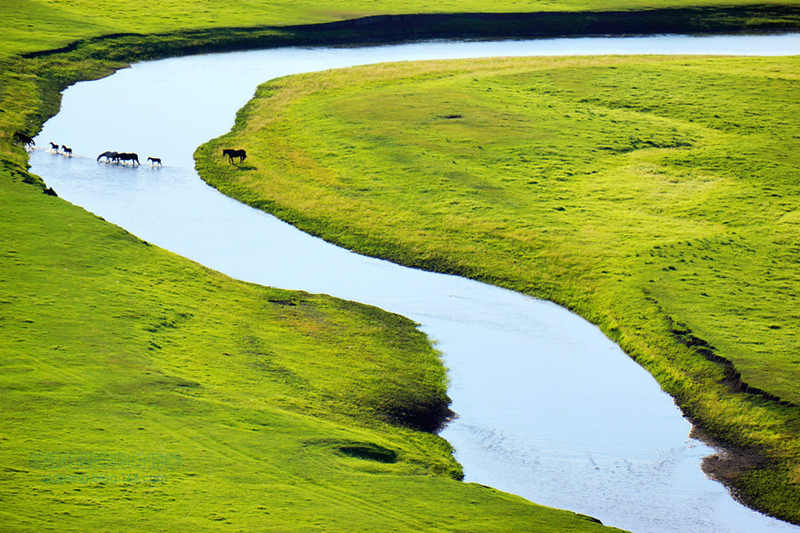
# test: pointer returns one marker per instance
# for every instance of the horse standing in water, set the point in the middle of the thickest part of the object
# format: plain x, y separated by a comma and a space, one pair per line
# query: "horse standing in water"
67, 150
127, 156
154, 160
110, 156
54, 146
231, 153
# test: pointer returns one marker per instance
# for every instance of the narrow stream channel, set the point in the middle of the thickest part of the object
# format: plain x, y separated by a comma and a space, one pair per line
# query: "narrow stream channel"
548, 407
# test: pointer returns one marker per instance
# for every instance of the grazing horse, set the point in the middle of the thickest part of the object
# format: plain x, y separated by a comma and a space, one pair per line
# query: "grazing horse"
231, 153
67, 150
24, 139
154, 160
127, 156
110, 156
54, 146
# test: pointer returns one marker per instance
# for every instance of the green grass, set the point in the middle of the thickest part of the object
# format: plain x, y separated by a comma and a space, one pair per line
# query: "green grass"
30, 25
142, 391
657, 197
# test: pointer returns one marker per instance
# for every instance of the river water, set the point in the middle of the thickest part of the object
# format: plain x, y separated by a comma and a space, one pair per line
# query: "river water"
548, 407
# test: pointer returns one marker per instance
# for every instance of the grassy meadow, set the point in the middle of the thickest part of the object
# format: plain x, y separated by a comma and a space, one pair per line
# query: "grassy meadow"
31, 25
142, 391
656, 196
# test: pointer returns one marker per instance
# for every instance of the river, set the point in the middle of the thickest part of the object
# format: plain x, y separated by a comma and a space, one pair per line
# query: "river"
548, 407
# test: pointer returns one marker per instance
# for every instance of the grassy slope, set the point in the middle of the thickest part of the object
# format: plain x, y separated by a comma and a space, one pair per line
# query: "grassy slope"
113, 350
658, 197
42, 24
120, 361
142, 391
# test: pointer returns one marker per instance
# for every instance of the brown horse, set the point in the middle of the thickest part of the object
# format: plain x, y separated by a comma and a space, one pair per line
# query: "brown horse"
231, 153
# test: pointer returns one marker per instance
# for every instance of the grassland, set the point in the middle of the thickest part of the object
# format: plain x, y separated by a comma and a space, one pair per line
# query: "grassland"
142, 391
657, 197
33, 25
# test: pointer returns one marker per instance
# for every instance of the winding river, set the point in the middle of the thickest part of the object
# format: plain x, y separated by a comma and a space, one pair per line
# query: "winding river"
548, 407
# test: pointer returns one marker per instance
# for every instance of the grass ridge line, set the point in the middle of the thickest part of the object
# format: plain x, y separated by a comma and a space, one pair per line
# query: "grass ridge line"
403, 27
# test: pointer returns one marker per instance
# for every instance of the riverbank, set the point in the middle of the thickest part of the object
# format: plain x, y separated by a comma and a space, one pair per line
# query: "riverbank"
125, 417
40, 25
141, 389
575, 180
54, 50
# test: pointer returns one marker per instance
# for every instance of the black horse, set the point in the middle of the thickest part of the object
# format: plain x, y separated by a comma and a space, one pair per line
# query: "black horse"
231, 153
110, 156
154, 160
127, 156
24, 139
67, 150
54, 146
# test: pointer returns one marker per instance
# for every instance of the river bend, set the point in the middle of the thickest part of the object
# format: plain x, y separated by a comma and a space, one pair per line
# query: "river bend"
548, 407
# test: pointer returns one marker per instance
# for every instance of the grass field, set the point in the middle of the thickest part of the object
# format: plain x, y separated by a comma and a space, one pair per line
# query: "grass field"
142, 391
657, 197
42, 24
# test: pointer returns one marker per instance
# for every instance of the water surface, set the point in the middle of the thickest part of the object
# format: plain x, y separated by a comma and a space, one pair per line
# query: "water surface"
548, 407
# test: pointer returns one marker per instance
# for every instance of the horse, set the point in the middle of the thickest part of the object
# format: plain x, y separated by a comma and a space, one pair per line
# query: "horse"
110, 156
231, 153
154, 160
127, 156
54, 146
67, 150
24, 139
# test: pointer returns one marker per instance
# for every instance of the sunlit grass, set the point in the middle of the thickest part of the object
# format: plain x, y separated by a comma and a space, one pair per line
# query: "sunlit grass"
42, 24
141, 391
655, 196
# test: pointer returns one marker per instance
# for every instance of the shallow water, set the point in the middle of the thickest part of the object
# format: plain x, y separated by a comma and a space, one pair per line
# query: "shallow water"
548, 407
